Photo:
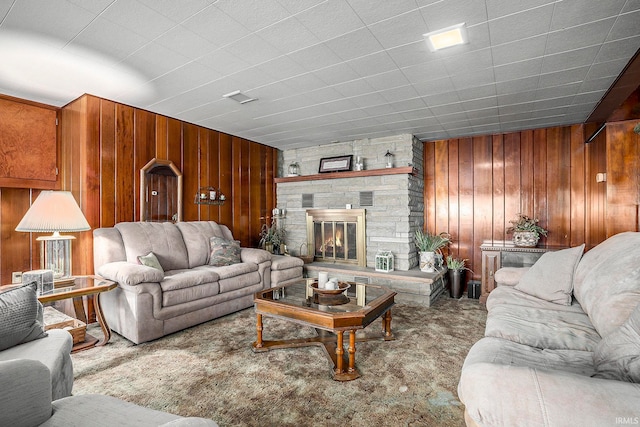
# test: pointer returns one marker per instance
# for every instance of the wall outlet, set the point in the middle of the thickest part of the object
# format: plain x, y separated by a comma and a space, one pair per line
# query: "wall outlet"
16, 277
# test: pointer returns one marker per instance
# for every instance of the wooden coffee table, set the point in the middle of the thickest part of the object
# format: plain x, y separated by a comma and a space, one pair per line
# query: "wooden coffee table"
297, 303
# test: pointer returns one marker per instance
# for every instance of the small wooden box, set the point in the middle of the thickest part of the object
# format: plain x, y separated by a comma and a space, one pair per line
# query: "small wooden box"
76, 328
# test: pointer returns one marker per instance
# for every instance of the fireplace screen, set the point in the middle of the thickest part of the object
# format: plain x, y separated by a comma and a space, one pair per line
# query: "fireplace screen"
337, 235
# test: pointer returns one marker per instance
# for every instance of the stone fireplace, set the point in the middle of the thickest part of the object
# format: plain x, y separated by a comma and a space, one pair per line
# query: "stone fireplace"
392, 200
337, 235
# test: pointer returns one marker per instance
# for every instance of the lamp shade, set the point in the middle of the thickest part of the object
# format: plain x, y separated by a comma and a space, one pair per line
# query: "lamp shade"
54, 211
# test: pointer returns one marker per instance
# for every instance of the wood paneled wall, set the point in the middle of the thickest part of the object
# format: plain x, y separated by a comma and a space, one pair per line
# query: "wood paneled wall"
102, 147
475, 186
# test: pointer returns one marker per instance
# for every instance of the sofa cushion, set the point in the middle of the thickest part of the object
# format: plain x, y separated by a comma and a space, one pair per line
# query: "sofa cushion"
163, 239
224, 252
229, 271
511, 296
130, 274
607, 281
21, 316
197, 235
150, 260
496, 350
180, 279
542, 328
551, 277
617, 356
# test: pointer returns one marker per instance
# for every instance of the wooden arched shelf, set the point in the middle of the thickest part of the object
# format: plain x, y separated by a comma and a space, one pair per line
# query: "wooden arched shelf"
161, 179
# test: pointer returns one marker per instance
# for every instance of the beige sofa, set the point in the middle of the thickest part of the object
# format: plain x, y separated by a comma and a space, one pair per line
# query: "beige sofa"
571, 362
149, 303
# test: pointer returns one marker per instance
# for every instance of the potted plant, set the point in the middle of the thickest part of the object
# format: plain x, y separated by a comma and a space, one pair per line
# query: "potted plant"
428, 244
526, 231
457, 272
271, 238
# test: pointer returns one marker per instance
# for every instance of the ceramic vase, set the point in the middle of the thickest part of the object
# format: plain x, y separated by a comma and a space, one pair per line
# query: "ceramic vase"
526, 239
428, 262
456, 283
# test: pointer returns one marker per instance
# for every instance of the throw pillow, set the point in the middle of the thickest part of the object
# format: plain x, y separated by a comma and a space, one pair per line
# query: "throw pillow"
21, 316
150, 260
617, 356
551, 277
224, 252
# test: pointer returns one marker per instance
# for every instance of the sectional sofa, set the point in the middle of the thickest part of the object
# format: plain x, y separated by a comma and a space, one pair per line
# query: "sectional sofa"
185, 289
562, 342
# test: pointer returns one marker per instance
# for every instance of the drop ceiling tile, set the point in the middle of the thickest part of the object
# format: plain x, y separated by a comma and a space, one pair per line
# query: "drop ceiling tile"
336, 74
424, 72
522, 25
354, 44
606, 69
560, 78
597, 84
498, 8
280, 35
59, 20
618, 49
187, 77
519, 50
224, 62
555, 91
400, 93
297, 6
443, 14
216, 27
478, 92
435, 87
469, 62
477, 78
421, 114
315, 57
475, 116
93, 6
138, 18
374, 63
516, 98
281, 68
372, 11
330, 19
518, 70
570, 59
455, 118
442, 110
253, 49
408, 105
368, 100
515, 86
400, 30
354, 88
514, 111
253, 14
576, 12
579, 36
185, 43
176, 11
388, 80
589, 97
479, 104
304, 82
110, 39
154, 60
411, 54
548, 104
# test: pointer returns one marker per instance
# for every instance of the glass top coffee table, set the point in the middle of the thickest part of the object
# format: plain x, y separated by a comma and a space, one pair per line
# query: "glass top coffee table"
330, 315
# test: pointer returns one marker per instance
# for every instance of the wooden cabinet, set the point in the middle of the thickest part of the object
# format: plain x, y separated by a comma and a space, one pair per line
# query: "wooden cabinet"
498, 254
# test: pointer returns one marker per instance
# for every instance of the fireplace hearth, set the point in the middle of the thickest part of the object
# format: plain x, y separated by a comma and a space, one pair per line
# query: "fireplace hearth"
337, 235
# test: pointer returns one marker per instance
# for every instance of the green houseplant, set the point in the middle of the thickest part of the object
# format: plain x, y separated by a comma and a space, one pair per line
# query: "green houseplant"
428, 244
271, 238
526, 231
457, 272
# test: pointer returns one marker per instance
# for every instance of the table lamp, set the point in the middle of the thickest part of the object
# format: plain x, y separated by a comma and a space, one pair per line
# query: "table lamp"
55, 211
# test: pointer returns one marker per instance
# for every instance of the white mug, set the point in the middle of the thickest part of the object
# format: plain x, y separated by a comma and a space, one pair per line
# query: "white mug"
323, 276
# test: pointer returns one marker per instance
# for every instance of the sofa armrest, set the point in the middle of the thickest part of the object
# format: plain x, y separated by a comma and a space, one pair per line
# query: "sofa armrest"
505, 395
25, 393
256, 256
130, 274
509, 276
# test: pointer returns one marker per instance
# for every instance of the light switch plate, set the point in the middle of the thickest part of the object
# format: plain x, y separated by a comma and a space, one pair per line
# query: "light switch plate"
16, 277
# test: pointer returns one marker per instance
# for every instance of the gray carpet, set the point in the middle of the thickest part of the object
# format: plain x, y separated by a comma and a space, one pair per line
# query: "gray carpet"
210, 371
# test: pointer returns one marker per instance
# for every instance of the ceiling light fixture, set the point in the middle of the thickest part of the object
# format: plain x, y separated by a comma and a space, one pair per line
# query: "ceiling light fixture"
447, 37
239, 97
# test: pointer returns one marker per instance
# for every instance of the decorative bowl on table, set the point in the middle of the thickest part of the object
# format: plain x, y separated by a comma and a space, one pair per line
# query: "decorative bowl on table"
330, 296
342, 286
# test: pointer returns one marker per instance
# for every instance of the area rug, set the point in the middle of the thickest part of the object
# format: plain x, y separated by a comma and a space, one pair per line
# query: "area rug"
210, 371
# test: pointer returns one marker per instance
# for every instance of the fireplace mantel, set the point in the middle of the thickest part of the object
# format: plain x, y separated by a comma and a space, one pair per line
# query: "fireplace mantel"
349, 174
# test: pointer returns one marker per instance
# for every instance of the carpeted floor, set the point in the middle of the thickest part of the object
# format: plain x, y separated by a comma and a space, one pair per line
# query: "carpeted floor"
210, 371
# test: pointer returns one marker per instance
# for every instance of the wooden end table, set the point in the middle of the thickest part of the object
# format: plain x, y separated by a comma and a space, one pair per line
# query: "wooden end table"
297, 303
91, 287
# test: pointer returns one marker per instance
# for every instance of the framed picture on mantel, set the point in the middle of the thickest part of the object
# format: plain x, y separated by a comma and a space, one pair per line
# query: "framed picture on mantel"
335, 164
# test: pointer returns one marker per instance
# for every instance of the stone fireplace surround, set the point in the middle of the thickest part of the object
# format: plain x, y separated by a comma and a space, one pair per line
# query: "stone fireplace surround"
398, 201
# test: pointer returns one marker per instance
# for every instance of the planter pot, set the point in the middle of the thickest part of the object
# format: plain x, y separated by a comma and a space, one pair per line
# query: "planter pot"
456, 282
428, 262
268, 247
525, 239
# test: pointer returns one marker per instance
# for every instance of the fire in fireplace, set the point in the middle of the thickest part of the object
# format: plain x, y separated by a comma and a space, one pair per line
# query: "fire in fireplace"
337, 235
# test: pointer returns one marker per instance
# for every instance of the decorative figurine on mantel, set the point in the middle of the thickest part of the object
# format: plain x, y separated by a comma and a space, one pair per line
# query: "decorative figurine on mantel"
294, 169
526, 231
389, 158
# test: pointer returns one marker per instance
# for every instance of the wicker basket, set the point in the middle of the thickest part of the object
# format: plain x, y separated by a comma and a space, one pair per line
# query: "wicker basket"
307, 257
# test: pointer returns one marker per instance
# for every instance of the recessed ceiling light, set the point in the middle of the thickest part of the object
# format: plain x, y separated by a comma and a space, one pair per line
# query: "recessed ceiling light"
447, 37
239, 96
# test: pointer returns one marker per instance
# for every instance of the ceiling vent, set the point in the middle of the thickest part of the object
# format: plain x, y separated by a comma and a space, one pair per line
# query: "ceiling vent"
239, 97
366, 198
307, 200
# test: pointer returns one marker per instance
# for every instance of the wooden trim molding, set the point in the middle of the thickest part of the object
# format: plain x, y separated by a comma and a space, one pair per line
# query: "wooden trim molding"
350, 174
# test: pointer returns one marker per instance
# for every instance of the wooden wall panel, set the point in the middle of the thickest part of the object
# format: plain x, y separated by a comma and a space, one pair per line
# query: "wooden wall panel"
15, 245
225, 176
126, 178
108, 189
546, 173
190, 172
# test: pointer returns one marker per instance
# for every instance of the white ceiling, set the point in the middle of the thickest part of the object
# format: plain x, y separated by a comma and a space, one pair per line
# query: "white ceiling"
324, 71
